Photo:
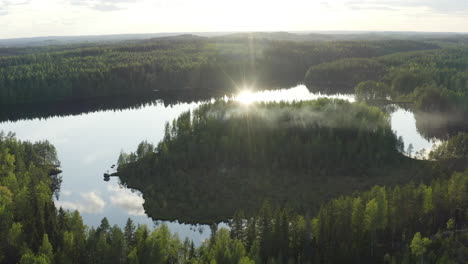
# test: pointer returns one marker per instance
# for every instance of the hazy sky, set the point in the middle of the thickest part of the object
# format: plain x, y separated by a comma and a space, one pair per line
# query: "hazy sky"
28, 18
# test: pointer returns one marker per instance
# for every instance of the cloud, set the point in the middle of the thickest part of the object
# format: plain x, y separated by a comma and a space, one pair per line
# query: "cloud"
354, 6
91, 203
437, 6
107, 7
90, 158
66, 192
130, 201
113, 5
104, 5
5, 5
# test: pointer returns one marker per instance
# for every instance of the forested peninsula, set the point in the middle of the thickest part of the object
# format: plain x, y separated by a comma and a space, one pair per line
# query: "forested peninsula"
226, 156
270, 170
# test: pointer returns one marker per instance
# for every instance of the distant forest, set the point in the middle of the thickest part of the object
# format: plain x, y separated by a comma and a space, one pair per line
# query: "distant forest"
435, 82
169, 64
428, 71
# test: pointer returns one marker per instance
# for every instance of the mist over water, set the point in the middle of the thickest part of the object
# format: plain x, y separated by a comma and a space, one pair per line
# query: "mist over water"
88, 144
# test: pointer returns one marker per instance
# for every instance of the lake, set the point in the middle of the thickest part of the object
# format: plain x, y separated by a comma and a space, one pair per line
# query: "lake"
89, 144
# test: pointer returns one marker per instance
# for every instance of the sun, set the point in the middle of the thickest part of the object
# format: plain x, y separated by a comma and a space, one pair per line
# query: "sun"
245, 97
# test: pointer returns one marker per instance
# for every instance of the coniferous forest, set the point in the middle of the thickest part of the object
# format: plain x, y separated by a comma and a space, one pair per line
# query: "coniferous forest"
406, 223
303, 181
282, 152
181, 63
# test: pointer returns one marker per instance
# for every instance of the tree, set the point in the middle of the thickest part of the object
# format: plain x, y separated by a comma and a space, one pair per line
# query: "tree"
16, 236
225, 249
401, 144
237, 226
371, 221
454, 148
129, 234
419, 245
371, 90
30, 258
405, 82
410, 150
428, 204
117, 246
104, 227
132, 257
142, 249
246, 260
450, 224
46, 249
357, 222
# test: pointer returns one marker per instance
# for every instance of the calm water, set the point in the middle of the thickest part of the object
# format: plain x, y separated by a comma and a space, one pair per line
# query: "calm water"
89, 144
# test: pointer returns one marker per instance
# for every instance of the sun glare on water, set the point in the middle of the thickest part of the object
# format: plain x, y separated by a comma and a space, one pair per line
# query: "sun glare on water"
246, 97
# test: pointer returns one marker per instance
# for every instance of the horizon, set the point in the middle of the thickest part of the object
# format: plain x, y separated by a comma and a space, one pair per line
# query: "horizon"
226, 33
55, 18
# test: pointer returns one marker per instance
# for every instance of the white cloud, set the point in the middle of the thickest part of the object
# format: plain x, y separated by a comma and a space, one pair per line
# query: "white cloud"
5, 5
91, 203
437, 6
23, 18
124, 198
66, 192
103, 5
90, 158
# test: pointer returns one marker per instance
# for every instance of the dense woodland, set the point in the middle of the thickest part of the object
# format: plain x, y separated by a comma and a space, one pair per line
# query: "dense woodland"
45, 110
341, 75
177, 63
437, 74
405, 224
434, 81
226, 156
428, 71
323, 181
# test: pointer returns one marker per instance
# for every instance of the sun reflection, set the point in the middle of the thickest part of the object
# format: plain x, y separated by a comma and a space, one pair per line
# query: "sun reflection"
246, 97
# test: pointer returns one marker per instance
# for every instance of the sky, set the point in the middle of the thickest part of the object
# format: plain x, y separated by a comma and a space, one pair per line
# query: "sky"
32, 18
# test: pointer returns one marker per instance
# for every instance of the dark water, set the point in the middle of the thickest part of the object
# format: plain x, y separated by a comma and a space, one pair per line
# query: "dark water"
88, 144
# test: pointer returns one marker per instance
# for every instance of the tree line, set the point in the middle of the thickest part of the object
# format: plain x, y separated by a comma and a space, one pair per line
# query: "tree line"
178, 63
435, 80
412, 223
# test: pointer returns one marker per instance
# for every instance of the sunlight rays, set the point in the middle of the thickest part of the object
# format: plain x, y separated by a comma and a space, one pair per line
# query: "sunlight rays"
246, 97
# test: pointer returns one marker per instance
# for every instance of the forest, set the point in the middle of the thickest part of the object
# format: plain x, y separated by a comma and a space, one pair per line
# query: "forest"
434, 81
323, 181
427, 72
296, 154
407, 223
44, 110
186, 62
